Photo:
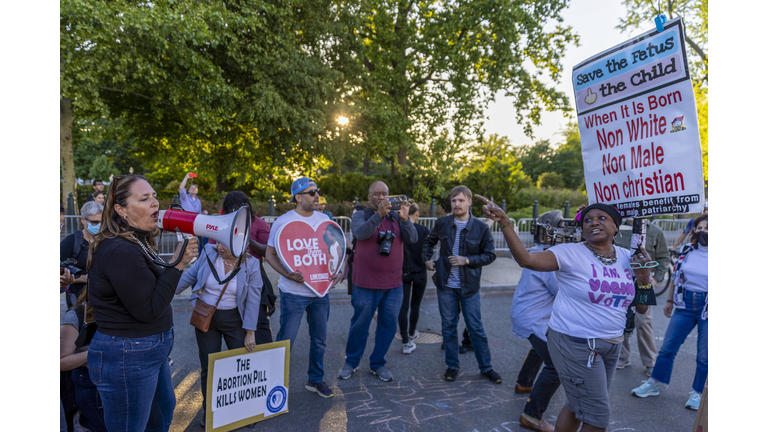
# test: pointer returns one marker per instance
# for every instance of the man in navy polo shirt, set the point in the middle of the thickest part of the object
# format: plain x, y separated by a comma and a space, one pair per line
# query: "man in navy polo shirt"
377, 279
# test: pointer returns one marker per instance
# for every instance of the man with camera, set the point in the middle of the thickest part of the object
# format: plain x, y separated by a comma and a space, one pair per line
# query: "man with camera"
380, 232
466, 245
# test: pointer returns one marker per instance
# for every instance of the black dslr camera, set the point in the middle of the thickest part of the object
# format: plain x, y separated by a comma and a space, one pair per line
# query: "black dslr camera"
69, 264
385, 240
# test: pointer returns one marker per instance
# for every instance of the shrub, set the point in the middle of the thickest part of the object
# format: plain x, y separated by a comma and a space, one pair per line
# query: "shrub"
527, 212
550, 180
549, 197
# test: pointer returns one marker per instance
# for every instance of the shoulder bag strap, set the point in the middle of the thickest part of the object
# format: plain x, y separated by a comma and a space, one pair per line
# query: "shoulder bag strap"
222, 293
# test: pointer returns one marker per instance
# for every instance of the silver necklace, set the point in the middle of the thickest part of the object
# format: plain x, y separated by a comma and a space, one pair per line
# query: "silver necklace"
606, 260
225, 262
147, 250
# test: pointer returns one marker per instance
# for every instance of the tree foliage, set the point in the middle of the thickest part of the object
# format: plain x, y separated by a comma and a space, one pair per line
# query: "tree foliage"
230, 88
418, 73
695, 15
249, 93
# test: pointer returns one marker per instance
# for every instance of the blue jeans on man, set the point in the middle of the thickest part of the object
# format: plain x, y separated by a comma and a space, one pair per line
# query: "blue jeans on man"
134, 381
365, 302
680, 326
448, 300
292, 308
546, 384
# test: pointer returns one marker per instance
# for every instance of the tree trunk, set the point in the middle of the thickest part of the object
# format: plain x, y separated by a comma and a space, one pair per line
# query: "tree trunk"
402, 159
67, 153
366, 166
219, 184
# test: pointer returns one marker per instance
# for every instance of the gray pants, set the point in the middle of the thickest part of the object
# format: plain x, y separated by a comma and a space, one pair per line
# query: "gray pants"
645, 342
586, 388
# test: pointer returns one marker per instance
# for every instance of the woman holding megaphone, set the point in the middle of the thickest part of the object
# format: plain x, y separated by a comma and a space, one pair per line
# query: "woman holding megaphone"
237, 301
131, 296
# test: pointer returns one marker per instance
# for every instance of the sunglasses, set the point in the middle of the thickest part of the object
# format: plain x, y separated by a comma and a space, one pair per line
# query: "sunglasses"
649, 264
93, 222
311, 193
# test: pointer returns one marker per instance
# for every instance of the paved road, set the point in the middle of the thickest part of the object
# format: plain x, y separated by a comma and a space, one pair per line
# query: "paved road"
419, 399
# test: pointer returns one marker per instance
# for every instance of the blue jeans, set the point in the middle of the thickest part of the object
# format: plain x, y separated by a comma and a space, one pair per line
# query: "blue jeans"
88, 401
292, 308
134, 381
680, 326
546, 384
448, 300
365, 302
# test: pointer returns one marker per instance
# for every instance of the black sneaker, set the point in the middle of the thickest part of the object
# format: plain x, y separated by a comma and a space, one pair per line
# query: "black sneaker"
462, 349
451, 374
320, 388
493, 376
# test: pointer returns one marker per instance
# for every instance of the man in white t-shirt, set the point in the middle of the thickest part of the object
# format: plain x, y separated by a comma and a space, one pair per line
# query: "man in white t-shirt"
295, 297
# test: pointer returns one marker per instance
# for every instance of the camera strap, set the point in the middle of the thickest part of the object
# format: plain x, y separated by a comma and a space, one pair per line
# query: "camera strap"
391, 222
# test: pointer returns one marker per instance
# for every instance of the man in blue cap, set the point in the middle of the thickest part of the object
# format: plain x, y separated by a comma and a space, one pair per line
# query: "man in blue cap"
295, 297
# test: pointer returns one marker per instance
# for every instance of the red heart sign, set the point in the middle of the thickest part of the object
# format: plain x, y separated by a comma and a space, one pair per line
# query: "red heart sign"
318, 252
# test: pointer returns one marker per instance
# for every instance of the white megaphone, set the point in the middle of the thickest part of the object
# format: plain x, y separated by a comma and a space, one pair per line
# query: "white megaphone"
232, 230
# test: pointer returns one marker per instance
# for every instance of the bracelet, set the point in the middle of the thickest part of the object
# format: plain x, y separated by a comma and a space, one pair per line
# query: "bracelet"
508, 222
649, 286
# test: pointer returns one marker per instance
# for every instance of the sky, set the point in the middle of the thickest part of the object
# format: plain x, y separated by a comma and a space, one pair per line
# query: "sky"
595, 22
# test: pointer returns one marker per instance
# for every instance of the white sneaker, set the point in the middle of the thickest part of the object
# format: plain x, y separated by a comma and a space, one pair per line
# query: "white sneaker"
409, 347
693, 401
414, 336
645, 390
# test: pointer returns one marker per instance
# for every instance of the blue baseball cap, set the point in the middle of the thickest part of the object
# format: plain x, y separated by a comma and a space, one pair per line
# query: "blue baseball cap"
299, 185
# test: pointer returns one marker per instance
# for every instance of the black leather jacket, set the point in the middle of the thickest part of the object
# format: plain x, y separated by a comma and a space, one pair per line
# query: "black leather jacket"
475, 243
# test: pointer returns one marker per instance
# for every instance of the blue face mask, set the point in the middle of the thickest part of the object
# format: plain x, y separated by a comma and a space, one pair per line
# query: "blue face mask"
94, 229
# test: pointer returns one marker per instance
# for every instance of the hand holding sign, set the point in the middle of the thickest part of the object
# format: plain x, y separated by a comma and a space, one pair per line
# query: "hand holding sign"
296, 277
314, 255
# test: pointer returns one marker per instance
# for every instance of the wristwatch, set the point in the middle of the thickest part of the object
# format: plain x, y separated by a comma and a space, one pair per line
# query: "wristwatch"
466, 261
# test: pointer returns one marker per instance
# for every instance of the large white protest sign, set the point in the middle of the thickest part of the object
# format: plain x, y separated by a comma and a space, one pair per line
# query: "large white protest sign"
245, 387
639, 128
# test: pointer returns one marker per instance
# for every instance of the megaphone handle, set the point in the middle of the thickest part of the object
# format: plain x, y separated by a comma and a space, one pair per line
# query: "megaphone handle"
178, 260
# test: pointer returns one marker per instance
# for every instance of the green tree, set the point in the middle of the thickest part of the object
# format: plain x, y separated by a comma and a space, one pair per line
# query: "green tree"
235, 88
695, 15
102, 168
92, 139
421, 73
567, 160
498, 177
550, 180
536, 159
